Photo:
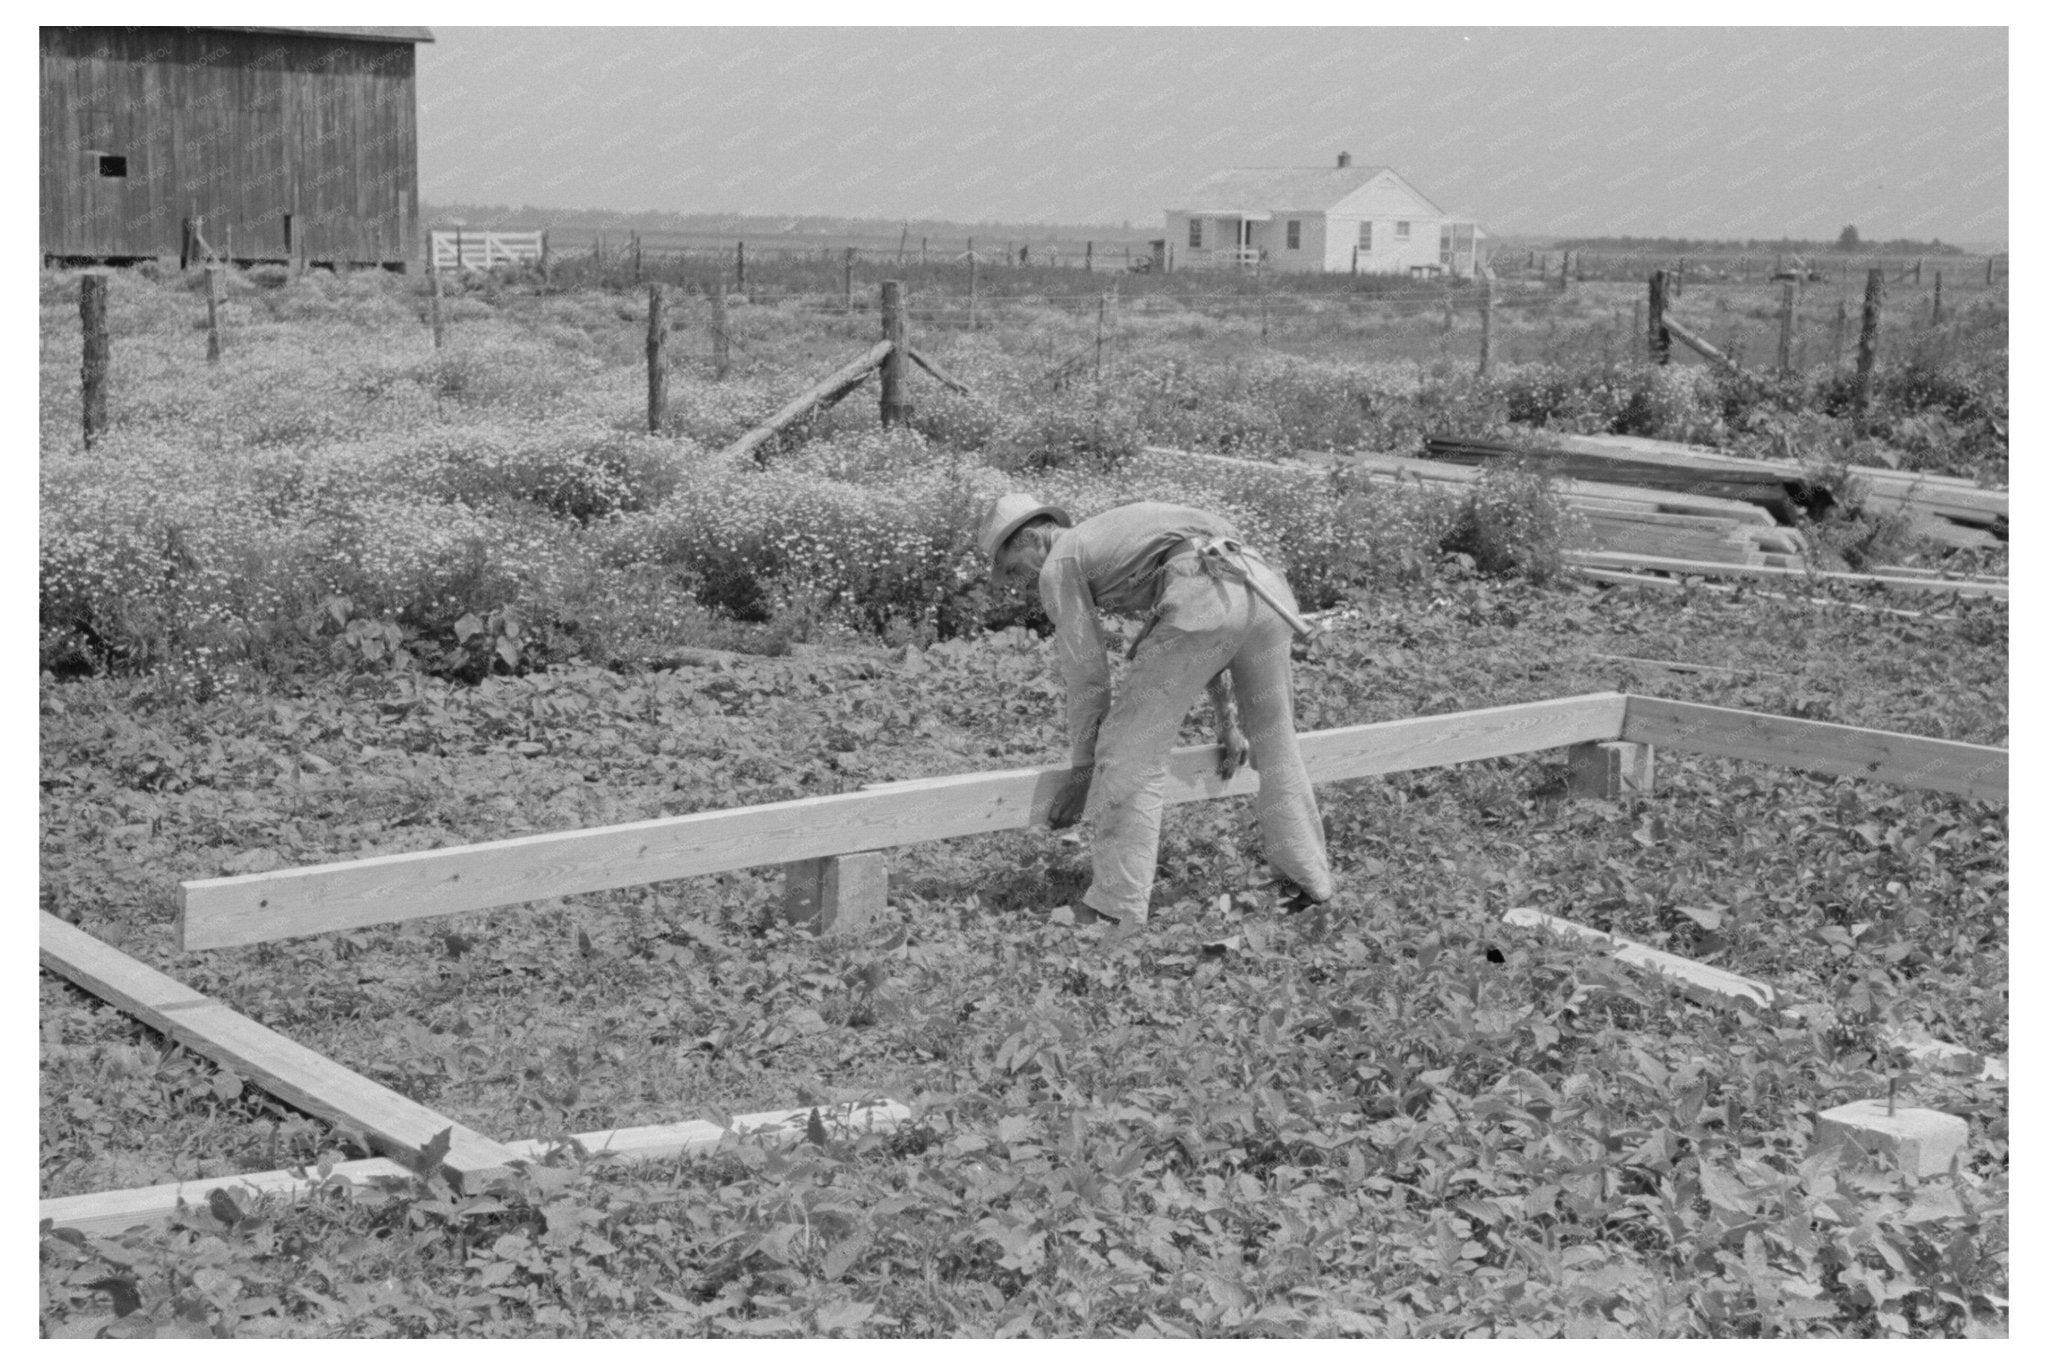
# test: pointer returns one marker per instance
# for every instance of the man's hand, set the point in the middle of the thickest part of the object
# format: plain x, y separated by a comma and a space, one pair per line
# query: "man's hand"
1072, 797
1236, 751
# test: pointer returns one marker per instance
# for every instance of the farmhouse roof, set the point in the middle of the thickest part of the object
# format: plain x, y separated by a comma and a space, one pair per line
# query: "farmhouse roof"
368, 35
1254, 188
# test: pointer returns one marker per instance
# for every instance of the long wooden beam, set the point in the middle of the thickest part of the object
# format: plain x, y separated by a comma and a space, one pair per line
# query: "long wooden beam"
112, 1211
1961, 587
1944, 765
297, 1075
1712, 985
227, 911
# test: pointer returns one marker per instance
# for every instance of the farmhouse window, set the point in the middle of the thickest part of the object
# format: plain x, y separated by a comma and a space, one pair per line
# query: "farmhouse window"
1294, 234
113, 167
1194, 232
1365, 235
1400, 231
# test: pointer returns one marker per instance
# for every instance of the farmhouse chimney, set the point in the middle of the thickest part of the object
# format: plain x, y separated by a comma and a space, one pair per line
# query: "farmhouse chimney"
1343, 160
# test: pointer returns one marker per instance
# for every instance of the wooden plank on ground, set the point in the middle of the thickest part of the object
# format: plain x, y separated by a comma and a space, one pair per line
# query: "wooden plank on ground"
1633, 580
114, 1211
227, 911
654, 1141
1711, 985
1962, 587
265, 1058
1977, 771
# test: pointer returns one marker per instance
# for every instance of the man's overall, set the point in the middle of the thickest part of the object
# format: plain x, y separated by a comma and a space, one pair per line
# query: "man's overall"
1143, 560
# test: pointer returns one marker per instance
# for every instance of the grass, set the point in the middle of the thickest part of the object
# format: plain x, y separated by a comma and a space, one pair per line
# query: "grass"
343, 595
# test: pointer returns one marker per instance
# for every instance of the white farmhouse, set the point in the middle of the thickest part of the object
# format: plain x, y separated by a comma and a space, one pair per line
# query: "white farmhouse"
1355, 219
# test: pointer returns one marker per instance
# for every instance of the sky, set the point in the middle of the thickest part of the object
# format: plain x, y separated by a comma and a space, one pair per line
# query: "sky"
1688, 132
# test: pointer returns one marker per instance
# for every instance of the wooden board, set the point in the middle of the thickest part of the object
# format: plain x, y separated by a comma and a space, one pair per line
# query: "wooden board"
115, 1211
1977, 771
112, 1211
1590, 492
653, 1141
297, 1075
1711, 985
1962, 587
227, 911
1889, 487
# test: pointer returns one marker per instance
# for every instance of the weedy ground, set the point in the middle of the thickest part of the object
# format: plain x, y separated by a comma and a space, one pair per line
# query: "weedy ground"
1398, 1118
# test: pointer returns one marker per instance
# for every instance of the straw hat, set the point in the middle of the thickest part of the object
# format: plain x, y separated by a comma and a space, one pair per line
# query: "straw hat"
1008, 513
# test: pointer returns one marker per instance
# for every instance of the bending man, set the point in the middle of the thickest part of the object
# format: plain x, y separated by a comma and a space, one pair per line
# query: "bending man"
1182, 572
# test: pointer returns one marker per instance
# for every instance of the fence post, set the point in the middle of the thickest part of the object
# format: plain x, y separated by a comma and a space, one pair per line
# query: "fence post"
1485, 318
1088, 259
740, 267
1788, 306
1866, 343
458, 249
972, 262
721, 354
1101, 320
1988, 261
849, 281
546, 262
98, 353
213, 302
1564, 272
1841, 330
1450, 317
657, 368
924, 251
897, 333
1935, 319
1659, 337
434, 309
1919, 263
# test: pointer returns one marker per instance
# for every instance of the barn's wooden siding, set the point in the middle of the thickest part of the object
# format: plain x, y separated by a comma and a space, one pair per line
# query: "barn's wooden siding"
235, 129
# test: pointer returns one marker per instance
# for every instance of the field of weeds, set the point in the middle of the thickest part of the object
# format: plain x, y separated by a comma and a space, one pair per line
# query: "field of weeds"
342, 594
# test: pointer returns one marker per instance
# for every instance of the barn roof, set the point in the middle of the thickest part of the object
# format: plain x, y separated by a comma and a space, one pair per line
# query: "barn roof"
368, 35
1282, 187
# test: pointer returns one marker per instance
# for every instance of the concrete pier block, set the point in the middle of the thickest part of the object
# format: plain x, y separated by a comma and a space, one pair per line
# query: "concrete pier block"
1922, 1141
1610, 770
837, 895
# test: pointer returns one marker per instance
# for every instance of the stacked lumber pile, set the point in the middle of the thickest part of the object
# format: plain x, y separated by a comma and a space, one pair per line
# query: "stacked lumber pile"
1947, 510
1628, 518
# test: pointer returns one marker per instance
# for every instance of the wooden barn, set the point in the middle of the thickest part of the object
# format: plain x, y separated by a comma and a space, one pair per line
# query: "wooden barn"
255, 144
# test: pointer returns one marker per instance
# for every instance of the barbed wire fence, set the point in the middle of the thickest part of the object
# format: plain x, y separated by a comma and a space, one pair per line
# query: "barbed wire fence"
1568, 306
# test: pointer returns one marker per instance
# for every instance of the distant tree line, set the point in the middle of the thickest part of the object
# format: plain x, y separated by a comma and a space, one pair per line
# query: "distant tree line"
1848, 241
527, 216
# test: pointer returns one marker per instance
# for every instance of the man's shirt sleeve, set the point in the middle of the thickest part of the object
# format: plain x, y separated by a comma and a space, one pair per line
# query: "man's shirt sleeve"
1077, 643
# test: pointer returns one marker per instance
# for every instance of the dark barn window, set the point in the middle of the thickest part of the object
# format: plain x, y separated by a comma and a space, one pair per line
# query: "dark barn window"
113, 167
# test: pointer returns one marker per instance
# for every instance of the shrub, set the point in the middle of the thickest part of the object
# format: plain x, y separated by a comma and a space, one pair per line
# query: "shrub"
1514, 522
